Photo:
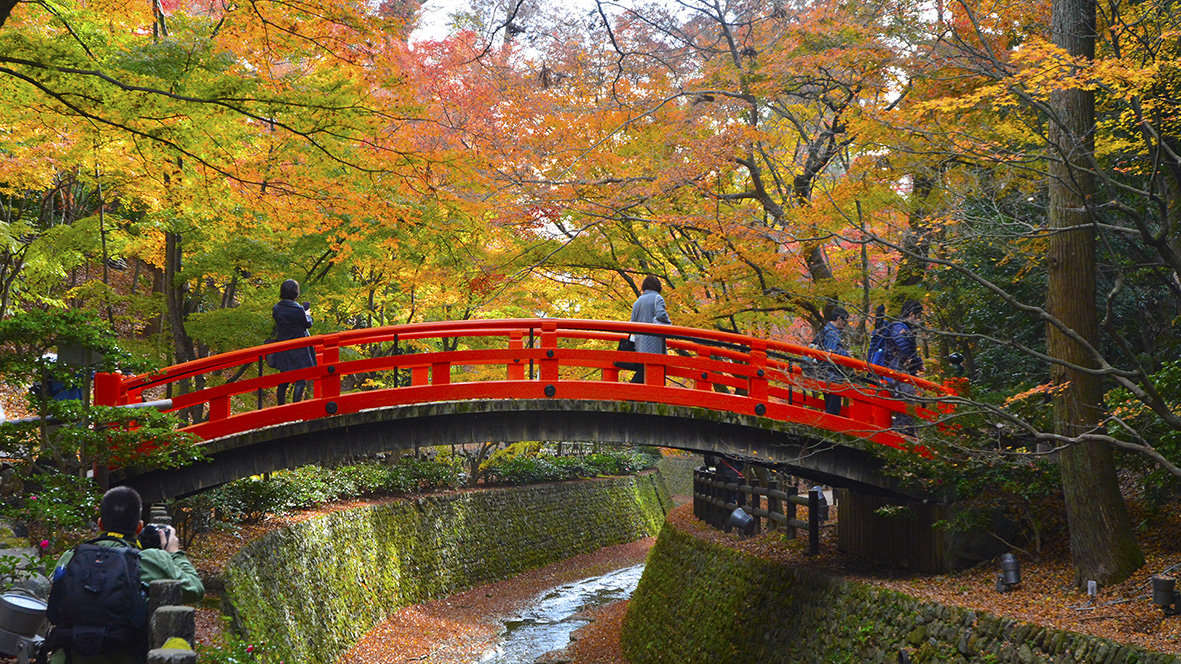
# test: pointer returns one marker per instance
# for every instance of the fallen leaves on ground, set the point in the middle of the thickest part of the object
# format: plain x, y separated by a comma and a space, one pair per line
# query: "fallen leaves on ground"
1122, 612
463, 627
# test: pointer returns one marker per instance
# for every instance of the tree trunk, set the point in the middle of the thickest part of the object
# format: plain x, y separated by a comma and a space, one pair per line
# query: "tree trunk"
6, 7
174, 290
912, 270
1102, 544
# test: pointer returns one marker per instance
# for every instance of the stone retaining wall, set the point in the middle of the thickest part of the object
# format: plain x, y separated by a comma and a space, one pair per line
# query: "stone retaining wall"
677, 472
313, 589
700, 602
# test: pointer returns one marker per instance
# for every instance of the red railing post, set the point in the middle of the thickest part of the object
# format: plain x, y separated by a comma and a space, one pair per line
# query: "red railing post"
440, 373
758, 389
880, 416
654, 374
219, 408
548, 371
420, 375
703, 382
108, 389
516, 368
328, 387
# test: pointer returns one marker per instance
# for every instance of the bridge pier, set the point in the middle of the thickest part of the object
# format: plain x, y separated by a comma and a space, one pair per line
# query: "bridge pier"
902, 533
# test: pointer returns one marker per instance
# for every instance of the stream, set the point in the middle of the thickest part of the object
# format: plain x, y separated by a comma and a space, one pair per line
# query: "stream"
548, 621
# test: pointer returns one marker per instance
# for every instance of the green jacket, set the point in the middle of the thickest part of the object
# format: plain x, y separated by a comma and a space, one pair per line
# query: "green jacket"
154, 565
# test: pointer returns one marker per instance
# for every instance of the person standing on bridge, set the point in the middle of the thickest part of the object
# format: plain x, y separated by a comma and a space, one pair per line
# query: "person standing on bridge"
292, 321
902, 355
832, 340
649, 308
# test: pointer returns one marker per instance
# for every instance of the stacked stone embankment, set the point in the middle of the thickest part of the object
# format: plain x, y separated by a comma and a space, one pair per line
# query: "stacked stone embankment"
702, 602
311, 590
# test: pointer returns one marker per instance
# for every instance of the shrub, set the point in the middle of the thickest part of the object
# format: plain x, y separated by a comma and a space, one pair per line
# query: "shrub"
546, 468
55, 506
251, 499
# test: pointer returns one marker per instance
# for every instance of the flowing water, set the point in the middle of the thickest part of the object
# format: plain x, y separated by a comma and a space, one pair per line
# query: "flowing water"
546, 624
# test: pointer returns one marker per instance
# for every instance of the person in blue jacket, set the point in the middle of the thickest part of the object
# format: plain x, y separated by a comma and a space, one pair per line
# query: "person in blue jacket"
832, 340
649, 308
292, 320
902, 355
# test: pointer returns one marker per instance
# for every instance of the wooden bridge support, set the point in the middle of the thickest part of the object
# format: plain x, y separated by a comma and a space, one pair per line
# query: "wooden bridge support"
903, 534
716, 496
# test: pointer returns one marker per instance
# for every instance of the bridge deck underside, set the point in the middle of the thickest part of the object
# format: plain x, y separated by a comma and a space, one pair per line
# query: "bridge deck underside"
837, 462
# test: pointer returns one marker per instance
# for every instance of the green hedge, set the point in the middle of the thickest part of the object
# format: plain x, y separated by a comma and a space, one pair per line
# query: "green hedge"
313, 589
285, 491
700, 602
548, 468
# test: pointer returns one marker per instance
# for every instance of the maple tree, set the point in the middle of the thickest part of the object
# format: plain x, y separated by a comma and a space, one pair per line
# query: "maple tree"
169, 167
696, 150
698, 147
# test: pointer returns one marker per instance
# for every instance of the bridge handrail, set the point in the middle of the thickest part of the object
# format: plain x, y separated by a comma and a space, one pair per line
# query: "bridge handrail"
414, 331
770, 372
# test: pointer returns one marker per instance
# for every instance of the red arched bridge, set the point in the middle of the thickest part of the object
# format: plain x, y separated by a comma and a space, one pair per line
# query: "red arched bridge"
527, 379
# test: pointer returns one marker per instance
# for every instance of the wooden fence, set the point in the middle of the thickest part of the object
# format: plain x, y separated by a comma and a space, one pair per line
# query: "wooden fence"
716, 496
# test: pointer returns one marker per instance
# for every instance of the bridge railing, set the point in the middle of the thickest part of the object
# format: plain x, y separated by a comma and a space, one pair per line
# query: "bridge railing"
533, 359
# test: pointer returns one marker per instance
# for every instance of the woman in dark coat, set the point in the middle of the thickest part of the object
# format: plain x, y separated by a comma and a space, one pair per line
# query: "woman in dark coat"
292, 320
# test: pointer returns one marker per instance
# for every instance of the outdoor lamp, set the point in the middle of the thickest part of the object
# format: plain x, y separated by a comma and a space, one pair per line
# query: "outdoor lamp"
742, 521
1165, 595
821, 502
21, 617
1010, 575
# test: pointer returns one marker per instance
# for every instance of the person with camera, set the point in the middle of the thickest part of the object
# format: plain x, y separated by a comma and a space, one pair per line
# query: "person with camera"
832, 340
98, 604
292, 321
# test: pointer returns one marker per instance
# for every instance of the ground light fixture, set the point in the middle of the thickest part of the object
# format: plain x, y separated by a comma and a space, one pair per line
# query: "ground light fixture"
1010, 576
1165, 595
821, 503
21, 617
744, 522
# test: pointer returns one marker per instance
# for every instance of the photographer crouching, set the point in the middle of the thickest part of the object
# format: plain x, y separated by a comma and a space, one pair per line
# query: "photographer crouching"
98, 605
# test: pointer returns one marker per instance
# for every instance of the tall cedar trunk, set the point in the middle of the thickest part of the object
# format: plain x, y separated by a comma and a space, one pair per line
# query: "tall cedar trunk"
1171, 186
1101, 540
6, 7
912, 269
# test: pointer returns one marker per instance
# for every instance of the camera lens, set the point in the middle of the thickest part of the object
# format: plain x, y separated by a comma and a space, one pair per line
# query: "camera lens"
149, 537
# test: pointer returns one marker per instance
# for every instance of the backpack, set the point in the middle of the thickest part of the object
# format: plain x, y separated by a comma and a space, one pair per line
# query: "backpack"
879, 348
97, 603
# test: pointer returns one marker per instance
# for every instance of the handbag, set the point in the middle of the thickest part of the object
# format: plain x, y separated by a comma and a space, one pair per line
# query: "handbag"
628, 344
272, 358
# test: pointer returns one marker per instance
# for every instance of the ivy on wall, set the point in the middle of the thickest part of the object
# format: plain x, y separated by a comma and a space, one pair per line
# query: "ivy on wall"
313, 589
700, 602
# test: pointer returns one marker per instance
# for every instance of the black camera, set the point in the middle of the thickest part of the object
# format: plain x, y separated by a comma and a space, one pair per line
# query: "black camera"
149, 537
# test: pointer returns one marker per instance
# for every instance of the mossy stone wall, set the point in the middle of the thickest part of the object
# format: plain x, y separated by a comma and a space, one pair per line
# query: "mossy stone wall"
677, 472
702, 602
313, 589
